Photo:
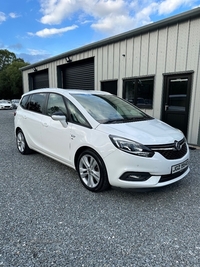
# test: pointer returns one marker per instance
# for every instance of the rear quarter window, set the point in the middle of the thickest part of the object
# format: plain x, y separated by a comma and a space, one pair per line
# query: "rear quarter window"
24, 101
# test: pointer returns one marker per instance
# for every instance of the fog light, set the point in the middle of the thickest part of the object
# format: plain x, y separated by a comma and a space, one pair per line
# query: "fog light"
135, 176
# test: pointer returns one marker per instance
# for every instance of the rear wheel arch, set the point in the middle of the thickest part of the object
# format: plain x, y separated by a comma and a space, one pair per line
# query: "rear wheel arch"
21, 142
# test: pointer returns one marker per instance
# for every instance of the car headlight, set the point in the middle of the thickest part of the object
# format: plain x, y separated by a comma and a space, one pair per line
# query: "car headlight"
130, 146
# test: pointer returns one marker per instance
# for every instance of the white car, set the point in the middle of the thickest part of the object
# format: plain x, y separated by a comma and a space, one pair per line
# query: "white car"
107, 140
4, 104
15, 103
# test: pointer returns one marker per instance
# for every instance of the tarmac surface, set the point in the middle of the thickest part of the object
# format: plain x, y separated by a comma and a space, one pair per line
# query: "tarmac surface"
47, 218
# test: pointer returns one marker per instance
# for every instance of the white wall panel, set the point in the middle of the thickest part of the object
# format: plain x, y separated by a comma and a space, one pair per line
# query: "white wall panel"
122, 66
162, 47
96, 81
193, 44
129, 58
182, 46
171, 48
52, 76
105, 63
158, 83
99, 67
116, 61
193, 63
25, 80
122, 59
136, 56
144, 54
153, 51
194, 115
110, 60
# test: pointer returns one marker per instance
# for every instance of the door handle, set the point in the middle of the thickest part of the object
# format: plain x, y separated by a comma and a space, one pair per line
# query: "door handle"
45, 124
166, 107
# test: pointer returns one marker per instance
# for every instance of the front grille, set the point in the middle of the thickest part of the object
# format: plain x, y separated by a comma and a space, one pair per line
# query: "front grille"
171, 151
168, 177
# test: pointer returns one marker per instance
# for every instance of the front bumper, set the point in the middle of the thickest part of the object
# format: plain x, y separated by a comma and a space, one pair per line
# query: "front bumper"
5, 107
155, 172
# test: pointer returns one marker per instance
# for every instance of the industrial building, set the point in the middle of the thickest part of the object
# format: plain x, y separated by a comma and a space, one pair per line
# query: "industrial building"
156, 67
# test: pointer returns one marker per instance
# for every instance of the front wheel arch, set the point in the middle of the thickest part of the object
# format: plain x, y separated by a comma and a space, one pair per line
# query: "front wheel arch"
91, 170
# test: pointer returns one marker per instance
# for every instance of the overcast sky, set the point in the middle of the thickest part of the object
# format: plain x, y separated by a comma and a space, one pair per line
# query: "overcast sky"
38, 29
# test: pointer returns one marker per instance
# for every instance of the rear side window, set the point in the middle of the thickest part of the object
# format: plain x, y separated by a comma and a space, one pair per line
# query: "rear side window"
24, 101
36, 103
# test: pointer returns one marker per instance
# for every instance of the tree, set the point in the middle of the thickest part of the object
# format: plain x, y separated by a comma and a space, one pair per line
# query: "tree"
6, 58
10, 75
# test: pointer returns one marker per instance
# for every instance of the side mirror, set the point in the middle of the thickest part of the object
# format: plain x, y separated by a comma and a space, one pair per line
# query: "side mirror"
59, 116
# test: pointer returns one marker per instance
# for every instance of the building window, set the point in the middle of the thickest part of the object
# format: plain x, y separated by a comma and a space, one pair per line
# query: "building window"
139, 91
109, 86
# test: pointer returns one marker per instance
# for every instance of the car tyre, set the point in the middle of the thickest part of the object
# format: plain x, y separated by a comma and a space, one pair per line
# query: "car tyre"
92, 171
22, 144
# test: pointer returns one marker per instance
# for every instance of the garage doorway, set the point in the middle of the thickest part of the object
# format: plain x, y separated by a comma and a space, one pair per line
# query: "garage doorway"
39, 79
77, 75
176, 102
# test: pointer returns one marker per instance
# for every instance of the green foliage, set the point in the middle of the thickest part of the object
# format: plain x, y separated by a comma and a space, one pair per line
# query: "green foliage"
6, 58
10, 75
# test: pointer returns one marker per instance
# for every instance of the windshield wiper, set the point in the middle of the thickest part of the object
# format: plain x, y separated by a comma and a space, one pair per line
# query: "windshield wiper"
114, 121
138, 119
124, 120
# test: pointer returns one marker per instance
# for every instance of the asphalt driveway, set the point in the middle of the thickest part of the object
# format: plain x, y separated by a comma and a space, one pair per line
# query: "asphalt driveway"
47, 218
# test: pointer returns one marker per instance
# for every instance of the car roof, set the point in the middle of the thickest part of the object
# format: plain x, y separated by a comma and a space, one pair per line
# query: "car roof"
67, 91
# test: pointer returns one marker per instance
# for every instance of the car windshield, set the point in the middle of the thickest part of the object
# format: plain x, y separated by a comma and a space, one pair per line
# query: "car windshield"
110, 108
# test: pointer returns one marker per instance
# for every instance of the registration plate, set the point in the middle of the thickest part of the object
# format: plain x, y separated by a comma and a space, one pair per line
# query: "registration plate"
179, 167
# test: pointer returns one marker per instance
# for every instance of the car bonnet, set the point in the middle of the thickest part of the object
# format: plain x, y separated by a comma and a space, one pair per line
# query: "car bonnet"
149, 132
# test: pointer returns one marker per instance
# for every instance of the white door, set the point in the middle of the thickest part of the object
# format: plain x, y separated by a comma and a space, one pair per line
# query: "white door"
56, 137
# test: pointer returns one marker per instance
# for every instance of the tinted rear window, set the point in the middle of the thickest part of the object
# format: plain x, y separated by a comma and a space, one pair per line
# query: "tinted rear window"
36, 102
24, 101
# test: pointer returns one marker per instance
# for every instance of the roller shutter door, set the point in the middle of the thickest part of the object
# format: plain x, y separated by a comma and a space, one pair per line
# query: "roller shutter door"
79, 75
41, 79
